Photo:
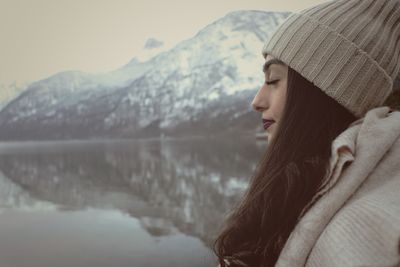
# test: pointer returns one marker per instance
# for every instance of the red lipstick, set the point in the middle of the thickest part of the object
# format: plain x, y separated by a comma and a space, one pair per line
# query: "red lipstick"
267, 123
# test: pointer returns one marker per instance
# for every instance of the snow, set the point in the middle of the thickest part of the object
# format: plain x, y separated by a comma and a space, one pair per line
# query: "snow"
213, 96
173, 86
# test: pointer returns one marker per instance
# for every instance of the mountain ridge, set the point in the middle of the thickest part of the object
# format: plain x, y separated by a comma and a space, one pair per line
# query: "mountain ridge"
203, 85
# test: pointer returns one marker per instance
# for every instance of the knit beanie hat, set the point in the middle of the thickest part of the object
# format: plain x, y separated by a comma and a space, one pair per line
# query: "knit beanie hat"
347, 48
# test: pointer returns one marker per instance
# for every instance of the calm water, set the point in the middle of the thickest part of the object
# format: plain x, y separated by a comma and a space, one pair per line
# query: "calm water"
119, 203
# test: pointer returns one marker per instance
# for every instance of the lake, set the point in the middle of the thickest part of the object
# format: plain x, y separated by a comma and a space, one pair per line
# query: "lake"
150, 203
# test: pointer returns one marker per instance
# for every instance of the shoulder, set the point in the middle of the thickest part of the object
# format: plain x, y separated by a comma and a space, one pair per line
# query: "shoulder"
366, 230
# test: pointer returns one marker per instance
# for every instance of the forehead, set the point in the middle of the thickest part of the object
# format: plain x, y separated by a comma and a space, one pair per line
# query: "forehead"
274, 64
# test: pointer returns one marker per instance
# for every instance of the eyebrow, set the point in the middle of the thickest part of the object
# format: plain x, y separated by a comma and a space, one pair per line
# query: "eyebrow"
270, 62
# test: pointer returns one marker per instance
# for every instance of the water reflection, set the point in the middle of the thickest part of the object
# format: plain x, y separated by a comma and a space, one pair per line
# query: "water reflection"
171, 193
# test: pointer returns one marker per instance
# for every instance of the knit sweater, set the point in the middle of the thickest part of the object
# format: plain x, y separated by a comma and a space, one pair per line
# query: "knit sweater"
355, 220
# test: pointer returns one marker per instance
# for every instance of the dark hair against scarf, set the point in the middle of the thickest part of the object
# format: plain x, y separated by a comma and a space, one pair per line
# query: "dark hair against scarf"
286, 179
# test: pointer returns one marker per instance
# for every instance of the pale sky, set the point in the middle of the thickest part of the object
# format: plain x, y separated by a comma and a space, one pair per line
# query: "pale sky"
39, 38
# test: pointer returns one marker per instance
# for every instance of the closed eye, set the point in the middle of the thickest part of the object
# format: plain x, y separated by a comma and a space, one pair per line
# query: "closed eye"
271, 82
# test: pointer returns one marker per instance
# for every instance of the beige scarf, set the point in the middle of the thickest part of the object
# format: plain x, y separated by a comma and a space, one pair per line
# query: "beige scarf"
355, 220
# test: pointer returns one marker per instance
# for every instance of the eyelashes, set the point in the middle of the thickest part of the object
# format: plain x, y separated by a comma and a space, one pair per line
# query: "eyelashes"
271, 82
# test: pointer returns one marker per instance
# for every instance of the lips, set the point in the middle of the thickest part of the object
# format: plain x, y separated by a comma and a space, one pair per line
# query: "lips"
267, 123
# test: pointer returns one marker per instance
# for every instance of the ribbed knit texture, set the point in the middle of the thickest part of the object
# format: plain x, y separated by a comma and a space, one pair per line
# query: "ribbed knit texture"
356, 222
347, 48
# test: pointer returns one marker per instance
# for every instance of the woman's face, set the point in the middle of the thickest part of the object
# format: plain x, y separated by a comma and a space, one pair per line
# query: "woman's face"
271, 97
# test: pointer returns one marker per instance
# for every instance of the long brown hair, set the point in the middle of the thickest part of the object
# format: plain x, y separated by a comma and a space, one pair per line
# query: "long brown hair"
287, 177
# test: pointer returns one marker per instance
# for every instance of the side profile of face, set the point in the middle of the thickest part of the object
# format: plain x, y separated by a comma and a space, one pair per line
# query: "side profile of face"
271, 97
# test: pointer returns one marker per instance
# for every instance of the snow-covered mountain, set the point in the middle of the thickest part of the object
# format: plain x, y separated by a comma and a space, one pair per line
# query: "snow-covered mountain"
9, 91
151, 48
203, 85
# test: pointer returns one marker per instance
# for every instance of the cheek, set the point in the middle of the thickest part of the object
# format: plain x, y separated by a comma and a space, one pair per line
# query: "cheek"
281, 102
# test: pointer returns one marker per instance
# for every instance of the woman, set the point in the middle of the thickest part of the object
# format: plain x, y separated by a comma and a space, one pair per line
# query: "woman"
326, 192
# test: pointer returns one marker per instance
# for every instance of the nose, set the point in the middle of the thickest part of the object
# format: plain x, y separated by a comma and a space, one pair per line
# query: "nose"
260, 101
